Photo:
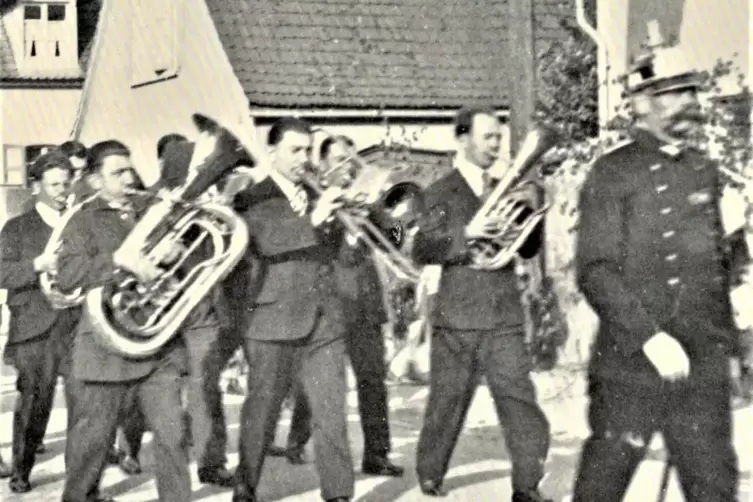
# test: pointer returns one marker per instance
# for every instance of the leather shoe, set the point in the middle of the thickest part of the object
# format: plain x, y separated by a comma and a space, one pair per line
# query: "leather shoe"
41, 448
242, 493
19, 484
130, 465
5, 469
531, 496
432, 488
381, 466
339, 499
218, 476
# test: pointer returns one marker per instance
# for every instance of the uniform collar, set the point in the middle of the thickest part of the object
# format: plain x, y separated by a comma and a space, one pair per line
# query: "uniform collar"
646, 137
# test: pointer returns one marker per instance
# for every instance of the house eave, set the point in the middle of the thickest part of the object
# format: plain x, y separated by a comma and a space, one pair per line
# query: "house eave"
361, 113
51, 83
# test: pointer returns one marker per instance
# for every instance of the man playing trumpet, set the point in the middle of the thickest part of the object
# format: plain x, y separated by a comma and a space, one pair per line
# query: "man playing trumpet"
39, 334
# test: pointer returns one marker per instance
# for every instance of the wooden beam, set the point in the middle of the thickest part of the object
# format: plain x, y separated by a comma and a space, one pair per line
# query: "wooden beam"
522, 80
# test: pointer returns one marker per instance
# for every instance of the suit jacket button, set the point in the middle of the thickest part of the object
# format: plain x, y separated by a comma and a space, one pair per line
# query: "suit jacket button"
655, 167
665, 211
661, 188
668, 234
671, 257
673, 281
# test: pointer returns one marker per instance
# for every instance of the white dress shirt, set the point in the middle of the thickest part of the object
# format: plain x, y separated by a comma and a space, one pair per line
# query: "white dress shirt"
473, 174
50, 216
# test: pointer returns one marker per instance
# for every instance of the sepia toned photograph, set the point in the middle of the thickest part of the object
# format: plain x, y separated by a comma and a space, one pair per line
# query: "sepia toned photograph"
376, 251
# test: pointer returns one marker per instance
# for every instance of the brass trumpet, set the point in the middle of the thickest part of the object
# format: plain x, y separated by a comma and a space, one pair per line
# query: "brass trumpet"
383, 216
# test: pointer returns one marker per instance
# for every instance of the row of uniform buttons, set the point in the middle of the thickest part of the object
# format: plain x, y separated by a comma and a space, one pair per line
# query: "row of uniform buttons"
665, 211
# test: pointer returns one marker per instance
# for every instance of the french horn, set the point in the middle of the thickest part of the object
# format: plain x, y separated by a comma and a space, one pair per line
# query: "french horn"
137, 319
509, 214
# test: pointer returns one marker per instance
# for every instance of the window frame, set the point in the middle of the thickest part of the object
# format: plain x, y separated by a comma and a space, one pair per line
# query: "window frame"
24, 167
139, 76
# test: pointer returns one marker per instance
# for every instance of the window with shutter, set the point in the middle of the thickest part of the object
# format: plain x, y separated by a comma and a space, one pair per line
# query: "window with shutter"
13, 170
154, 41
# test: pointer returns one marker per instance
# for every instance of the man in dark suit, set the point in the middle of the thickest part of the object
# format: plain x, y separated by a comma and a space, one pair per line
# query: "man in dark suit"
359, 289
478, 323
210, 341
39, 335
650, 261
104, 381
295, 328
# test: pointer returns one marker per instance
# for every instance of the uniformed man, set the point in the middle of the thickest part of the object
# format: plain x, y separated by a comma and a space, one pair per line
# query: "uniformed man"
102, 381
650, 262
360, 291
39, 335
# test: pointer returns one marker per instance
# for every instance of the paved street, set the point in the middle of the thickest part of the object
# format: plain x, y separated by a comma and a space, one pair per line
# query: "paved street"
480, 469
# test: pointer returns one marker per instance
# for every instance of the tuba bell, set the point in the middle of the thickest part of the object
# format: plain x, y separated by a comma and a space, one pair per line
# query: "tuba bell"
509, 215
137, 319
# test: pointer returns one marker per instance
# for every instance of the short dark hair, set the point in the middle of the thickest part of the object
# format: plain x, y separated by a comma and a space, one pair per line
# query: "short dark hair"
74, 148
464, 118
326, 145
50, 160
285, 124
100, 151
166, 140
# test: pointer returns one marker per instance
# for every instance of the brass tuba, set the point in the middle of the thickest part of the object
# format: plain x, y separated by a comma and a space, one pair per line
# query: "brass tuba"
509, 215
137, 319
382, 214
57, 298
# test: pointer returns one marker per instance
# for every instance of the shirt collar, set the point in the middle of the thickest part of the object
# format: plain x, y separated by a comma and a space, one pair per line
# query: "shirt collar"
473, 174
49, 215
288, 188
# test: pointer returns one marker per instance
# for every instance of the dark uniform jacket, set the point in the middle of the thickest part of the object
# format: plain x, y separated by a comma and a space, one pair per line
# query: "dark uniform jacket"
89, 240
22, 240
293, 265
468, 299
650, 257
360, 289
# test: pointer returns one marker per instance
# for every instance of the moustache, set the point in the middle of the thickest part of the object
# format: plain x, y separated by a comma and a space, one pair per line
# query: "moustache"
690, 115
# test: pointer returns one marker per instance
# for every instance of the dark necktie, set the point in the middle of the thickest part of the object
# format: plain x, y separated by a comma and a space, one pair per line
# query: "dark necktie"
488, 185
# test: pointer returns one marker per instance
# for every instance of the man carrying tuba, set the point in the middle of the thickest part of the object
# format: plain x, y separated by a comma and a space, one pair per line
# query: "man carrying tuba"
40, 336
478, 323
103, 381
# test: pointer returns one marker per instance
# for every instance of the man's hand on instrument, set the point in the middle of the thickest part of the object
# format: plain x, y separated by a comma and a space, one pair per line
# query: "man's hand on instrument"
136, 263
330, 201
668, 357
46, 262
167, 251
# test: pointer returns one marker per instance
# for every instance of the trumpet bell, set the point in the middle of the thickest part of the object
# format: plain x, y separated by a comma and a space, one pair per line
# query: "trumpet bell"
399, 211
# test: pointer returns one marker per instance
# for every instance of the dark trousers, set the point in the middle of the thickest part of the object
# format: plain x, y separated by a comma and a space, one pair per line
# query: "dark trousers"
695, 421
209, 350
38, 363
458, 360
319, 362
96, 410
365, 349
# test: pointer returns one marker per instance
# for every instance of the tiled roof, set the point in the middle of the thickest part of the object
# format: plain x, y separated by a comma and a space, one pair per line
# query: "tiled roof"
88, 14
370, 53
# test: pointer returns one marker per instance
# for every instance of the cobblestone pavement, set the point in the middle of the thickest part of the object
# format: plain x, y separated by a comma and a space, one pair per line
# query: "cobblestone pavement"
480, 469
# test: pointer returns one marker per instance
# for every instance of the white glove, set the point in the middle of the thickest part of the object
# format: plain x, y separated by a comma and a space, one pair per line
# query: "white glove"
668, 357
136, 263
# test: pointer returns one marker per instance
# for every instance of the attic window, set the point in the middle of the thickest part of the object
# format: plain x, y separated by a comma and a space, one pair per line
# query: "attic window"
32, 12
56, 12
154, 40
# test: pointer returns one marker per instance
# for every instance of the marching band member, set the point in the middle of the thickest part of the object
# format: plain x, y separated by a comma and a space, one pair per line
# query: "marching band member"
650, 262
359, 290
103, 382
295, 327
76, 153
39, 336
478, 324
